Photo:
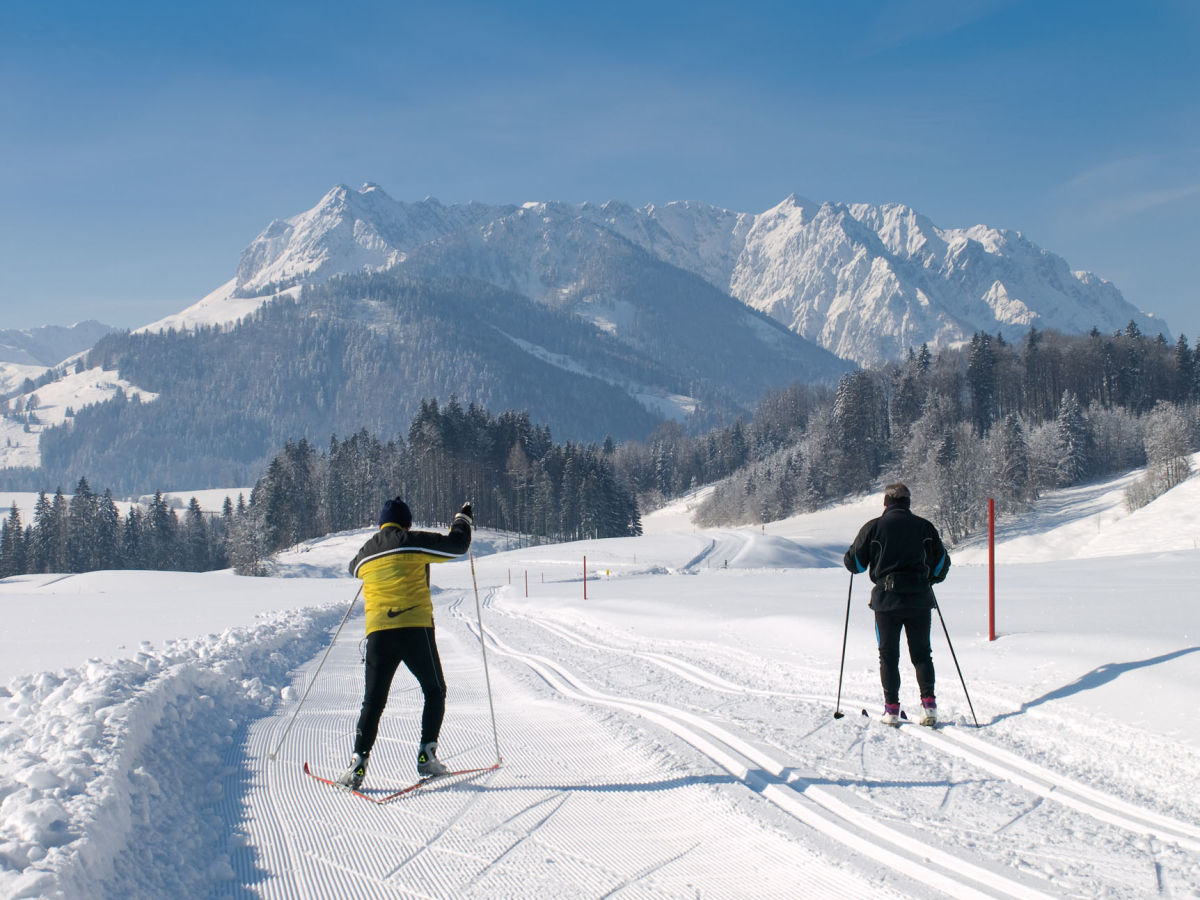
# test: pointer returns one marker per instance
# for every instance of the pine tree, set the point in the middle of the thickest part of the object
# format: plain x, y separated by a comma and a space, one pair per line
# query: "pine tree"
860, 432
1074, 442
1013, 482
58, 533
196, 538
12, 545
162, 536
81, 529
1185, 371
134, 552
108, 533
981, 379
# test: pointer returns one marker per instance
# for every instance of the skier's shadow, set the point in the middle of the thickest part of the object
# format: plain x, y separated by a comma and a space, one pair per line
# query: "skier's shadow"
755, 779
1098, 677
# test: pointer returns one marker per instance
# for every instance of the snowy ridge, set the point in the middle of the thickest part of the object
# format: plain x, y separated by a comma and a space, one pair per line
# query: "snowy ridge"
864, 281
49, 345
348, 231
222, 306
868, 282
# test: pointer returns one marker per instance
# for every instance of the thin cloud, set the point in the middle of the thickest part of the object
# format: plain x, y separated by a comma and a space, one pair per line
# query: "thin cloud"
904, 22
1130, 187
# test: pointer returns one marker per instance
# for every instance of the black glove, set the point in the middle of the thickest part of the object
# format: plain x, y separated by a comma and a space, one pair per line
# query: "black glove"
466, 510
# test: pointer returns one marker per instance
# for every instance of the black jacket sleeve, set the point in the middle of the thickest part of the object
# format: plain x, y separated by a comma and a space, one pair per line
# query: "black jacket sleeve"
936, 557
858, 557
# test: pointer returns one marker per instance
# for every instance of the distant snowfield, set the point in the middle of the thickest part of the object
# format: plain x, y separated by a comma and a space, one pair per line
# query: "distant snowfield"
19, 447
12, 375
211, 500
219, 307
670, 735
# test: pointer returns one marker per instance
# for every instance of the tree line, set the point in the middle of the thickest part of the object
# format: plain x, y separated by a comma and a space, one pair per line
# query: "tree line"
516, 477
992, 418
87, 533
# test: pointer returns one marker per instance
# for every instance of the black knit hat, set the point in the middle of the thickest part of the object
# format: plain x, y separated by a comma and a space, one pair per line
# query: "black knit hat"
397, 512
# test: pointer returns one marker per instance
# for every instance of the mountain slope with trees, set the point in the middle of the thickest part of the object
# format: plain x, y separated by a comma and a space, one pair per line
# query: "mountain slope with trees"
362, 351
993, 419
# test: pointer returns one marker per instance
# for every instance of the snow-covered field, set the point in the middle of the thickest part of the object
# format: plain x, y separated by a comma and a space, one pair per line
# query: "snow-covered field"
671, 735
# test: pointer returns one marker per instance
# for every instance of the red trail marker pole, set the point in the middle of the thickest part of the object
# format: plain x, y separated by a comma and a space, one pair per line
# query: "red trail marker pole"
991, 569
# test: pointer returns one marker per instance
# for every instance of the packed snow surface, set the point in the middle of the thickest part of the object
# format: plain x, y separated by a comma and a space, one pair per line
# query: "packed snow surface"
670, 734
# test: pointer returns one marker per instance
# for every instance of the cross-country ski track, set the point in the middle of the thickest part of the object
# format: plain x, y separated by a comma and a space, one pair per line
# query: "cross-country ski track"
699, 782
667, 726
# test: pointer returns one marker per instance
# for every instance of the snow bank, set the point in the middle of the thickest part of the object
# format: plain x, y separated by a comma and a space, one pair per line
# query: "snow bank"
74, 790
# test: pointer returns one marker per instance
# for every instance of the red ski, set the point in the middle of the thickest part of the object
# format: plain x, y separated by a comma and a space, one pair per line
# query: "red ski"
404, 791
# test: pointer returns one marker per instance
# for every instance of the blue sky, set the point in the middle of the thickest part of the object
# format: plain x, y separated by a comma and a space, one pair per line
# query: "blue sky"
143, 145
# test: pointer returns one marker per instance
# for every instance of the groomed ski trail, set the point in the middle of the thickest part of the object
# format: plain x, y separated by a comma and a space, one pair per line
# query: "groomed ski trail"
581, 807
956, 863
794, 794
957, 741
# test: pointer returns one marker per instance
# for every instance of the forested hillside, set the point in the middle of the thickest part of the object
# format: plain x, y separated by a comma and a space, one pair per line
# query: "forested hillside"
995, 418
362, 352
516, 477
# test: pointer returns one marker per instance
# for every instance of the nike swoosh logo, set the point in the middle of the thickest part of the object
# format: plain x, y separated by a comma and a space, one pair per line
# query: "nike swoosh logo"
392, 613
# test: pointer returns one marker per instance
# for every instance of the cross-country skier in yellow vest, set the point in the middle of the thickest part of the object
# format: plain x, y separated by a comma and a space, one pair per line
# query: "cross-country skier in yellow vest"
394, 568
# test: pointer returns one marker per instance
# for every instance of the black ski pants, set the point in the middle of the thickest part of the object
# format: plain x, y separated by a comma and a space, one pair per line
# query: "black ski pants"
916, 624
386, 649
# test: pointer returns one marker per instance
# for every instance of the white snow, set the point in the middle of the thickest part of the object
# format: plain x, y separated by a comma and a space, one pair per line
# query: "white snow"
13, 375
20, 443
670, 735
220, 307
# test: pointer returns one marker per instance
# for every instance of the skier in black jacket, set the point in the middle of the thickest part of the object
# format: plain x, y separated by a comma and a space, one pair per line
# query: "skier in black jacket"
906, 557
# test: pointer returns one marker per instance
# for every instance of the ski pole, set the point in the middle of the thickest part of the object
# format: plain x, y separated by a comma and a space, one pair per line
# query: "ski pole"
837, 710
483, 646
955, 658
292, 721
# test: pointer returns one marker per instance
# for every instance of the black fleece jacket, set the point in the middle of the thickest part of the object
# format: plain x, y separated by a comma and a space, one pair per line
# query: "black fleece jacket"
905, 556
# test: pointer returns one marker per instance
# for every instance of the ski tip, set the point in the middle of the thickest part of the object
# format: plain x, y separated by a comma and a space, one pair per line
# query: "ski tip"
867, 714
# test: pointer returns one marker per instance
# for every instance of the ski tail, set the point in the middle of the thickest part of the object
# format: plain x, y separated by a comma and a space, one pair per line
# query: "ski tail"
340, 787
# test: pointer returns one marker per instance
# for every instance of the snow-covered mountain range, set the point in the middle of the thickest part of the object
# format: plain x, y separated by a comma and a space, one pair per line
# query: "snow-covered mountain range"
28, 353
49, 345
864, 281
686, 311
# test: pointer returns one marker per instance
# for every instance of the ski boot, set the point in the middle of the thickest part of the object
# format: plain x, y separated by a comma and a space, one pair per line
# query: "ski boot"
353, 777
428, 764
891, 714
928, 711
